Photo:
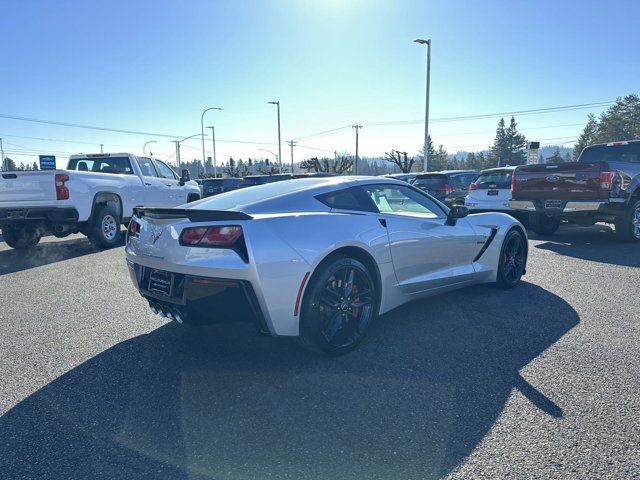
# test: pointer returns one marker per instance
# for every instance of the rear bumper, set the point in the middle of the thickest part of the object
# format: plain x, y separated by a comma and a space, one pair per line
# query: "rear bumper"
565, 206
201, 300
42, 214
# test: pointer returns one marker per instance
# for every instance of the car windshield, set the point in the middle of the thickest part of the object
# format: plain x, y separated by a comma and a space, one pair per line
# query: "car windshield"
629, 153
499, 180
431, 181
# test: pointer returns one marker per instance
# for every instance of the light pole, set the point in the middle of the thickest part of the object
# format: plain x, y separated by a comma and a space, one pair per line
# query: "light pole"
357, 127
292, 143
426, 108
277, 104
213, 139
145, 145
202, 127
178, 142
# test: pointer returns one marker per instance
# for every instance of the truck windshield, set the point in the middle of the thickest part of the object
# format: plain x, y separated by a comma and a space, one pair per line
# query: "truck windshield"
629, 153
119, 165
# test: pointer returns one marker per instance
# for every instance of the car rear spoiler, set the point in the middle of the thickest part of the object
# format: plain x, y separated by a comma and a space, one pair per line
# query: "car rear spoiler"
192, 214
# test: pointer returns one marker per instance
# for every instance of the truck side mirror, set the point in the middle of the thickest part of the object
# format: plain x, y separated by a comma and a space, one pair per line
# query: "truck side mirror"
185, 177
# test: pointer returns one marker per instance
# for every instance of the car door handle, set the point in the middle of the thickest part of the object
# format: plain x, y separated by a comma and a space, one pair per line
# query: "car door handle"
147, 184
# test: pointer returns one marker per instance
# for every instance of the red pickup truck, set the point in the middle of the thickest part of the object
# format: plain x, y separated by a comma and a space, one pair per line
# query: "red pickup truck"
602, 186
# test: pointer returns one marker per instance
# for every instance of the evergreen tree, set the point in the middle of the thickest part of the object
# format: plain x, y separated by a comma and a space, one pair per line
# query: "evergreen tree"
509, 146
556, 157
499, 148
587, 137
621, 121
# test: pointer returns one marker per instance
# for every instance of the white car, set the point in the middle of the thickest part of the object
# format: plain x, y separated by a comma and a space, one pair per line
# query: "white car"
316, 258
94, 195
491, 192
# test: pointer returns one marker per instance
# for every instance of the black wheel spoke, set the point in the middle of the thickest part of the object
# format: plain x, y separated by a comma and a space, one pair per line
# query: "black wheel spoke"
334, 324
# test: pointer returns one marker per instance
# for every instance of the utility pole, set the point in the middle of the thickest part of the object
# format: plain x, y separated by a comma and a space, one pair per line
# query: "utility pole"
101, 148
279, 142
2, 162
177, 153
292, 144
213, 139
357, 127
426, 108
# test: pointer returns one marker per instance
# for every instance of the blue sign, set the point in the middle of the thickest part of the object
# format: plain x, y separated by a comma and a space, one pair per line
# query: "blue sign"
47, 162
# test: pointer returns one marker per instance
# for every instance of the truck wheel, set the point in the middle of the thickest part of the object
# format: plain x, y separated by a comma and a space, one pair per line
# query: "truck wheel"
105, 227
21, 237
628, 224
542, 224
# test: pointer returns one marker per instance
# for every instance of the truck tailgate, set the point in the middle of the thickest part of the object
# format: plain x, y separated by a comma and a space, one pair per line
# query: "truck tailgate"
559, 181
27, 186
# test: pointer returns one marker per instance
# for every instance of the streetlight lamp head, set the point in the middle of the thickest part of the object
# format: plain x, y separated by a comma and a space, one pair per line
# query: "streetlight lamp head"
423, 42
274, 103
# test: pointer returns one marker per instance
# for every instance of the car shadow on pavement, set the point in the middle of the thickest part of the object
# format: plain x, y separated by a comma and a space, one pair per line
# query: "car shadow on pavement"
222, 402
596, 244
45, 253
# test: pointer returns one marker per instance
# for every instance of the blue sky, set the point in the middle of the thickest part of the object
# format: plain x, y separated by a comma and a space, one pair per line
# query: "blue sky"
154, 66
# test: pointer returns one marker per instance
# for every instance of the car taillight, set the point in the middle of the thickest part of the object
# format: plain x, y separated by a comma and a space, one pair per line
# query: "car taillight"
134, 229
446, 189
218, 236
62, 192
606, 180
513, 182
473, 186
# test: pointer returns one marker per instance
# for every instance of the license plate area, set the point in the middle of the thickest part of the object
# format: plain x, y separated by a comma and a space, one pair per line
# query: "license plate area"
161, 282
553, 204
492, 192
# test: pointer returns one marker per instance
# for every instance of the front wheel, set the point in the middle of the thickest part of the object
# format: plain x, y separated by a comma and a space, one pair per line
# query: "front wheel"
628, 224
339, 305
105, 227
542, 224
513, 259
21, 237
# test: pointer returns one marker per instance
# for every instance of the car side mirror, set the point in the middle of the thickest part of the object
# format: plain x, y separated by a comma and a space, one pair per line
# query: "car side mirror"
456, 212
185, 177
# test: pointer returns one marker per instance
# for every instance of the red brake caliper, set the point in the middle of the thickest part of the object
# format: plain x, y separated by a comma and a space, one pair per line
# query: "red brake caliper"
354, 290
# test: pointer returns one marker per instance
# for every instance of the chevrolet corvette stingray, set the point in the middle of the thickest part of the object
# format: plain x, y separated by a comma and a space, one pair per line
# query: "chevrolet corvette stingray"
316, 258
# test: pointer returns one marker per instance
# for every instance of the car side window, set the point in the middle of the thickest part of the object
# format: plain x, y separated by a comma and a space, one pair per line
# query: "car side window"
165, 170
402, 200
347, 199
147, 167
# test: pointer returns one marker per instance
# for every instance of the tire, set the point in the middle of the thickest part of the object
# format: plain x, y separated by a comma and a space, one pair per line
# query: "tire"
628, 224
21, 237
543, 224
513, 259
104, 231
339, 305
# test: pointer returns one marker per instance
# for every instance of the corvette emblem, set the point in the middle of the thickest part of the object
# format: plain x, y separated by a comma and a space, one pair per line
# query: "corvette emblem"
156, 233
552, 178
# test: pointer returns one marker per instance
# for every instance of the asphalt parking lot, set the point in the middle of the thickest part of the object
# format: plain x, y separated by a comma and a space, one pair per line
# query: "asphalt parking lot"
540, 381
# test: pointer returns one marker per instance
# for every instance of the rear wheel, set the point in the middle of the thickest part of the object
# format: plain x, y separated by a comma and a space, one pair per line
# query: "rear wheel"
340, 304
542, 224
105, 229
628, 224
21, 237
513, 258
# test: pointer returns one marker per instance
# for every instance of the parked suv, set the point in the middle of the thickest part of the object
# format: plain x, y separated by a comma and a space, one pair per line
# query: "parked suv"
602, 186
491, 192
448, 186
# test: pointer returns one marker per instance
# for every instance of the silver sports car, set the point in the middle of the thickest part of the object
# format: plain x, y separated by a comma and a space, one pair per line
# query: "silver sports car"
316, 258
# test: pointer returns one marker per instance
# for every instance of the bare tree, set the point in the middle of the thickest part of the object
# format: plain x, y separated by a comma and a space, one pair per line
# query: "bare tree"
236, 170
270, 170
403, 162
337, 166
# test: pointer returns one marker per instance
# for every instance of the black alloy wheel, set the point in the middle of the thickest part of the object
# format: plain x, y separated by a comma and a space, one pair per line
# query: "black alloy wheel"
513, 259
339, 306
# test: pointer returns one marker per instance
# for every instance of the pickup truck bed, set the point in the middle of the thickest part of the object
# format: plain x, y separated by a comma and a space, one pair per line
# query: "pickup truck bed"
602, 186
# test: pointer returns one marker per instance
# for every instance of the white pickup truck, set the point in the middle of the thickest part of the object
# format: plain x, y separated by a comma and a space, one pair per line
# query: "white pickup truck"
94, 195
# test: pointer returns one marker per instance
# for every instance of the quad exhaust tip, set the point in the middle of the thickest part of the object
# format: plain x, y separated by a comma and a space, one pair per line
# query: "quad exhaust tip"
166, 311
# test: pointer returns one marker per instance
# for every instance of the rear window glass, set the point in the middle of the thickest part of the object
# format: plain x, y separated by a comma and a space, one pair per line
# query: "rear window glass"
620, 153
347, 199
431, 181
119, 165
492, 180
